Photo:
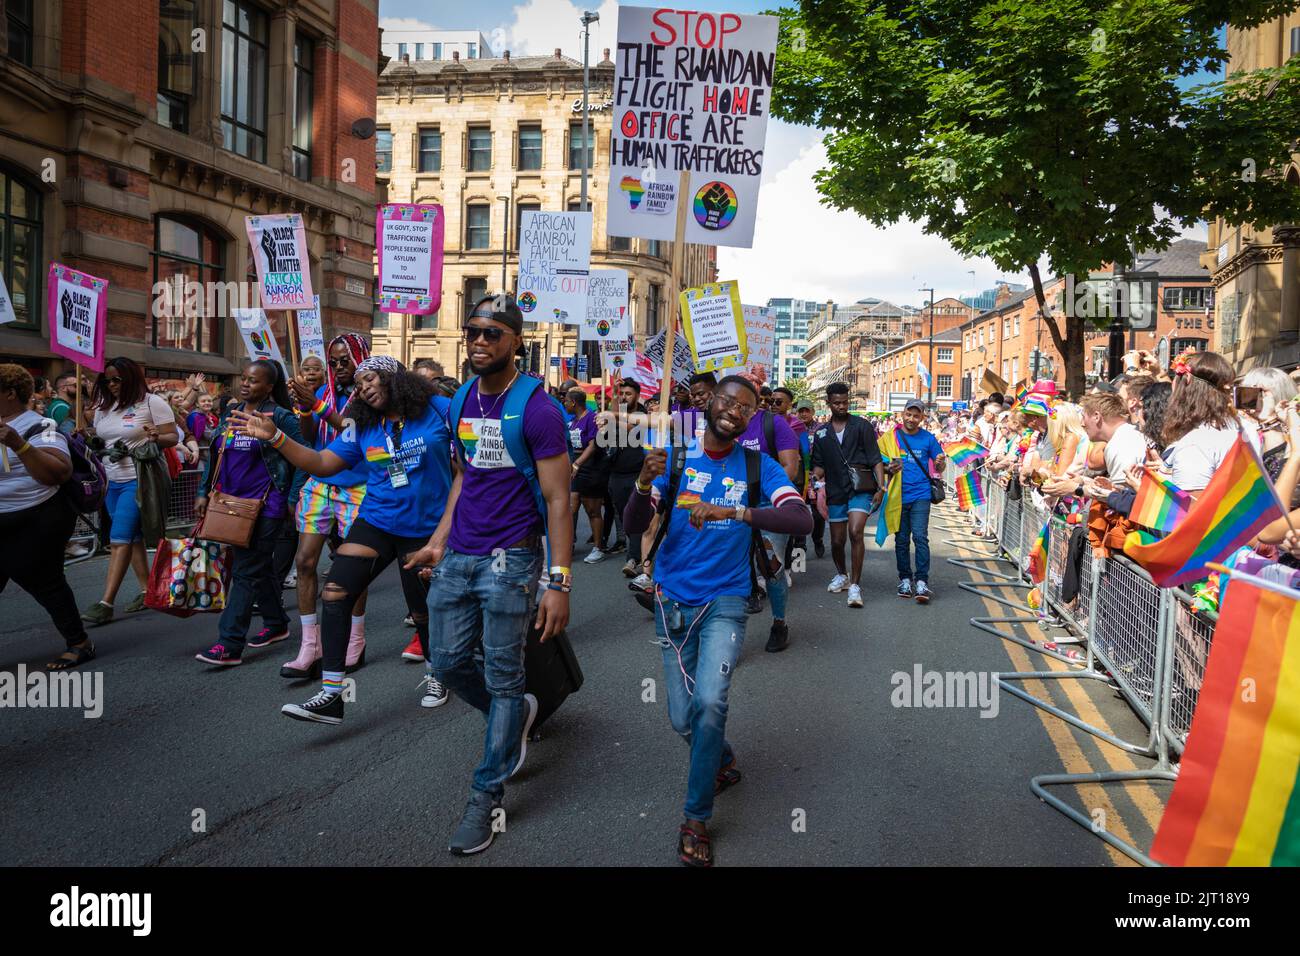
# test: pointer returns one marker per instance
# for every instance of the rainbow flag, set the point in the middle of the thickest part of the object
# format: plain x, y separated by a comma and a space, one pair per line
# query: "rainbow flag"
1238, 503
1237, 798
969, 492
687, 499
1020, 396
378, 455
1038, 556
1160, 504
964, 451
891, 505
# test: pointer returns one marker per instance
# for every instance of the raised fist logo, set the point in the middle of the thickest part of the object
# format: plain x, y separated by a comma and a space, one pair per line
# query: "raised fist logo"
268, 249
715, 205
65, 306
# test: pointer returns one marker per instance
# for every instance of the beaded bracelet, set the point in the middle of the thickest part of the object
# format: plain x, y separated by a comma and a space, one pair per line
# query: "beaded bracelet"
278, 439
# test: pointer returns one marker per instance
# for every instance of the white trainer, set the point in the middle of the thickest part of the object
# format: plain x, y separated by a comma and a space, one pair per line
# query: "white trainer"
838, 583
595, 556
855, 596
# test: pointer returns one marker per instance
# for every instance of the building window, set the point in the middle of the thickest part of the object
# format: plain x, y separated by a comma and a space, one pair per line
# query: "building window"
244, 79
430, 150
177, 21
20, 249
943, 386
304, 54
530, 148
520, 209
197, 254
475, 289
1006, 329
981, 339
1179, 346
383, 150
620, 244
480, 149
576, 157
419, 51
401, 51
652, 310
1189, 298
478, 221
472, 51
1017, 325
437, 51
18, 17
652, 248
945, 355
1295, 41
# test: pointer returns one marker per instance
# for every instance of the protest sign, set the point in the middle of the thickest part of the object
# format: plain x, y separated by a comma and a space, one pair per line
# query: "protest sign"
259, 340
6, 306
692, 93
77, 309
279, 246
714, 323
760, 335
618, 357
409, 248
311, 336
554, 260
683, 365
606, 318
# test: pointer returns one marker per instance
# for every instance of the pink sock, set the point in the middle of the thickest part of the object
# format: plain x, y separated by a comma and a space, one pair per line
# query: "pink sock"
358, 626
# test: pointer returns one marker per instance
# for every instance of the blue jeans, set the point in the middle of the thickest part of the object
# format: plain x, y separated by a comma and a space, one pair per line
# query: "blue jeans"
489, 601
777, 589
701, 646
252, 578
915, 521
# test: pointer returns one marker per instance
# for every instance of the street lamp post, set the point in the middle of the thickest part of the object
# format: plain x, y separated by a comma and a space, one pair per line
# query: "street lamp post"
588, 18
505, 241
929, 402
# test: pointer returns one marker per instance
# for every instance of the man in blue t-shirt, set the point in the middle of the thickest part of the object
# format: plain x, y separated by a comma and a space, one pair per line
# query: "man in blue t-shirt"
702, 574
915, 443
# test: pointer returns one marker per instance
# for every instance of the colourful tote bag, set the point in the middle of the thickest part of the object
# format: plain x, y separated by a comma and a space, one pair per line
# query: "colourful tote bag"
189, 576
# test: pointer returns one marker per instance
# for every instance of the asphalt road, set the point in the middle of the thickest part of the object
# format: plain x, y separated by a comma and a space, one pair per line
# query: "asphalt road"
834, 773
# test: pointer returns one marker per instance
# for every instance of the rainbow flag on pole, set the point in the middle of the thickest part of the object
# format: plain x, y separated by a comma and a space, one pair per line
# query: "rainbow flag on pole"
964, 451
1038, 556
1160, 504
969, 492
1238, 503
1237, 798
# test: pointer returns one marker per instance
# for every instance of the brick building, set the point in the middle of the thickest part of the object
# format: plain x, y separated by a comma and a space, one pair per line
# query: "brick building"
897, 372
136, 135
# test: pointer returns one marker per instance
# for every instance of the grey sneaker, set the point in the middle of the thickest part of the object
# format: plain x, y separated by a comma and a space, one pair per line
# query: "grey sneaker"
474, 835
137, 604
529, 717
923, 593
97, 614
905, 588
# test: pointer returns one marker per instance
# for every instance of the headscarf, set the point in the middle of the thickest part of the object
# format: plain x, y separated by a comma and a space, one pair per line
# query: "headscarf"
381, 363
359, 349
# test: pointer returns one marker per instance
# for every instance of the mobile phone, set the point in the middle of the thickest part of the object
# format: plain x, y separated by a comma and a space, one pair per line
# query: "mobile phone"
1245, 397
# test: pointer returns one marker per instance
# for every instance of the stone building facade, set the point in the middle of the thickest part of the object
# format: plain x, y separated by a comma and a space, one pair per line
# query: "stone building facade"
487, 139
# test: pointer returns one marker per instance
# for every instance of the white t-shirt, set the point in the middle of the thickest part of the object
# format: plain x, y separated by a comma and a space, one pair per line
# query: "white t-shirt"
1197, 455
127, 424
1127, 447
18, 489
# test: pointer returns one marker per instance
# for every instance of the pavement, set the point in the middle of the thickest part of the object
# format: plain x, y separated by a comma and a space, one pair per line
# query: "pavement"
191, 765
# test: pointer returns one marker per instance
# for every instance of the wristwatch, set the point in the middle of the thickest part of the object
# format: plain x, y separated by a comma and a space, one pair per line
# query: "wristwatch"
740, 512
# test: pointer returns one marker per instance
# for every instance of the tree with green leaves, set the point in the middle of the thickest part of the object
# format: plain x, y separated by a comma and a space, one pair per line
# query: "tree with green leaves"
802, 389
1032, 131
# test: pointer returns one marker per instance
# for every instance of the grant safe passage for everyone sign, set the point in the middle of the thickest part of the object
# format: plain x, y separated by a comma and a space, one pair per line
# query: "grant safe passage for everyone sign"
692, 92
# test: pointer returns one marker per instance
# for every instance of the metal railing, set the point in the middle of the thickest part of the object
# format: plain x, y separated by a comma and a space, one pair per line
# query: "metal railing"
90, 534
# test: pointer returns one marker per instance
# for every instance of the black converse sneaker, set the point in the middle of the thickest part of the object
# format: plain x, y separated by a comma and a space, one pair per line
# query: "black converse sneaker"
324, 708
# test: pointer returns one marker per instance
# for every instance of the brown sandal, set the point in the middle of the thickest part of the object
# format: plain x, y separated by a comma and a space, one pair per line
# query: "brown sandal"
693, 847
85, 651
728, 776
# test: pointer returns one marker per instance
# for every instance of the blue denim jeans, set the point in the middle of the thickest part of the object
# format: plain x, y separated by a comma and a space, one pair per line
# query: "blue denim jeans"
487, 601
777, 589
915, 521
701, 646
252, 578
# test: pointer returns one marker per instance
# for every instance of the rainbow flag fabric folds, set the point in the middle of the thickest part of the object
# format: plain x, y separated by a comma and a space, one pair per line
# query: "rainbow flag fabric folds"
965, 451
970, 493
1237, 798
1160, 504
1238, 503
1038, 556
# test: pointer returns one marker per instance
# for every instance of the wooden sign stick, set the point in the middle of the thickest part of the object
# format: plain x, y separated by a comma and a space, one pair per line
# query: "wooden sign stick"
670, 331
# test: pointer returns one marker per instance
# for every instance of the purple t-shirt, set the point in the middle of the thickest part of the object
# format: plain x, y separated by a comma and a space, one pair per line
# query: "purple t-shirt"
496, 506
244, 475
755, 438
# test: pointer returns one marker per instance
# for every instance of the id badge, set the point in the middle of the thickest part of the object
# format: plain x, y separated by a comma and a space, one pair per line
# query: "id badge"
397, 476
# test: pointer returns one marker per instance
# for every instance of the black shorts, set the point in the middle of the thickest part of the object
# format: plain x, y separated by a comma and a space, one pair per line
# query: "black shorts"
386, 545
591, 482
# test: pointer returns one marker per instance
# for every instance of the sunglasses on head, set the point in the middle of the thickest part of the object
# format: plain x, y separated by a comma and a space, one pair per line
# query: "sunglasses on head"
492, 335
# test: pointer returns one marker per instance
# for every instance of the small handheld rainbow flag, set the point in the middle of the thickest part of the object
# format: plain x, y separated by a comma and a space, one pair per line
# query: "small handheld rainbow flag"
1237, 798
1038, 556
378, 455
964, 451
969, 491
1160, 504
1238, 503
1020, 396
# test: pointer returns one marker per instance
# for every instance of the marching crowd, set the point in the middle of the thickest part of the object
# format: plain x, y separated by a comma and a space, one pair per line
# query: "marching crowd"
474, 492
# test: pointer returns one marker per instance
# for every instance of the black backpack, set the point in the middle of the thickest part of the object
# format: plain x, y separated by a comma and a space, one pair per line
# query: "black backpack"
88, 486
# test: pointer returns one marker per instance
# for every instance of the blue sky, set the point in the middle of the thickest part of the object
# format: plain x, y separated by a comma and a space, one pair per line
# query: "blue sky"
833, 256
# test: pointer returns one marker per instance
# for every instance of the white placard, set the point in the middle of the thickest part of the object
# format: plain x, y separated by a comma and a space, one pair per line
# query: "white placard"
6, 307
311, 337
760, 334
714, 324
607, 318
259, 341
683, 366
692, 91
554, 260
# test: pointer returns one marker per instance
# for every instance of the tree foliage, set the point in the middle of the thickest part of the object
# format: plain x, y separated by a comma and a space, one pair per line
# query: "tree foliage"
1030, 131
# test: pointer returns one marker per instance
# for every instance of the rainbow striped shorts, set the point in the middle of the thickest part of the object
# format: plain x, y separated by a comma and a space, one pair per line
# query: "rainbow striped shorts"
323, 506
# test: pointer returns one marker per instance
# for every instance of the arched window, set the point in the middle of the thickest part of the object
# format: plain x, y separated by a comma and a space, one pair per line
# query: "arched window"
20, 248
191, 259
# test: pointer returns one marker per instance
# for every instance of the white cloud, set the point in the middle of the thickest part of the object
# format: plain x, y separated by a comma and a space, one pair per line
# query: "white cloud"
809, 251
539, 26
397, 24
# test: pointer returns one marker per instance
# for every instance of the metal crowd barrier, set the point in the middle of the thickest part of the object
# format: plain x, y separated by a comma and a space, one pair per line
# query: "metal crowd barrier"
90, 532
1149, 641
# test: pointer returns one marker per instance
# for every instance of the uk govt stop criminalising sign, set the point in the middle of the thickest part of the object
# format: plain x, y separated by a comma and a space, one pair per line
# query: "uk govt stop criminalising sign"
692, 91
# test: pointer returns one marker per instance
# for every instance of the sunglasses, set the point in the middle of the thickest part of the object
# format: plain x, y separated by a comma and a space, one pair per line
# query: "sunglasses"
112, 378
493, 336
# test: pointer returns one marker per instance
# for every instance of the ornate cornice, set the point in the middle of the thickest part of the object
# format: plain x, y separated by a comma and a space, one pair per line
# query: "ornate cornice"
1252, 255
